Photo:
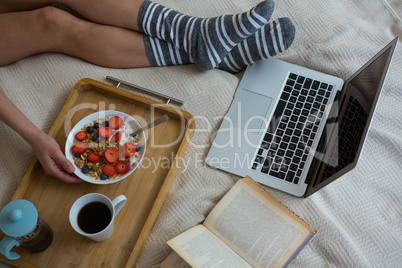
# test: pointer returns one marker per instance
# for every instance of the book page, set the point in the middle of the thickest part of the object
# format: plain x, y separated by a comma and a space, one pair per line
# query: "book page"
201, 248
174, 261
257, 226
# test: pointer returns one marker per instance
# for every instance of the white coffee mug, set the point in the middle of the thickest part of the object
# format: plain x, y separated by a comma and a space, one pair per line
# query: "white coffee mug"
114, 207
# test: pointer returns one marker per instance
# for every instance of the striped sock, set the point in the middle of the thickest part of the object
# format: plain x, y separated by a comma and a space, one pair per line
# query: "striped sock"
206, 40
275, 37
162, 53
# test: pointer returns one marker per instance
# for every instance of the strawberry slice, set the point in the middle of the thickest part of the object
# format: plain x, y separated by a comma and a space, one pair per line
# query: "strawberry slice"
105, 133
116, 122
111, 155
109, 170
94, 157
122, 167
129, 149
79, 148
116, 137
81, 135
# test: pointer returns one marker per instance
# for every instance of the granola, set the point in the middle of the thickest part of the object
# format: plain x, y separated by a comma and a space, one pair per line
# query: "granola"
91, 144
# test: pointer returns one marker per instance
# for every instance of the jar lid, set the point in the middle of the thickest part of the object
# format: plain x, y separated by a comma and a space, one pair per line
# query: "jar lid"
18, 218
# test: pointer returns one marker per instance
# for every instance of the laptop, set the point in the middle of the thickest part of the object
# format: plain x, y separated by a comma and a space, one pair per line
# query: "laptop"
296, 129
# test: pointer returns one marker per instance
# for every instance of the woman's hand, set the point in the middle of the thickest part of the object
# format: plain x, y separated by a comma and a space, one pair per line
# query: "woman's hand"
52, 158
45, 147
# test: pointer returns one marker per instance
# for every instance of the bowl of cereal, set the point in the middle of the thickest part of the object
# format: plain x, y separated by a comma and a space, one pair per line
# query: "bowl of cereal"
101, 148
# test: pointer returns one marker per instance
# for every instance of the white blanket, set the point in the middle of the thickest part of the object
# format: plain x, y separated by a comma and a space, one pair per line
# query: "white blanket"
358, 217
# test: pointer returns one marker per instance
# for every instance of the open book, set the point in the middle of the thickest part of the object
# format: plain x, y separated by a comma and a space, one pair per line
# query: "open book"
247, 228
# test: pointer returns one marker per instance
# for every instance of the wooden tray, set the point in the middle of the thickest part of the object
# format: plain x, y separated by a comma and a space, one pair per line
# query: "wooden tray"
145, 189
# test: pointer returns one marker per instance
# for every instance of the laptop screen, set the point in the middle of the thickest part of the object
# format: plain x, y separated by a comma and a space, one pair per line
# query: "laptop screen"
349, 121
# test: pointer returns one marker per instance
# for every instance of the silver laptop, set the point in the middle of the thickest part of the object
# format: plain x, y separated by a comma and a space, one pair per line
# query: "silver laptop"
296, 129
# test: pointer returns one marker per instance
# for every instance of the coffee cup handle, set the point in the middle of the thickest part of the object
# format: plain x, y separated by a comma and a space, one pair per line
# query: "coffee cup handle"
6, 245
118, 203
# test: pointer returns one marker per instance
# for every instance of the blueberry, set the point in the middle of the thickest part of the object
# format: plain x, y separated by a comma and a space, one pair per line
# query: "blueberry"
103, 177
77, 155
105, 123
96, 139
137, 147
90, 129
96, 125
85, 169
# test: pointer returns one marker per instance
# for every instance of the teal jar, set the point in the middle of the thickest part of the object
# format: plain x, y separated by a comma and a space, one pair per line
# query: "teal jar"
20, 222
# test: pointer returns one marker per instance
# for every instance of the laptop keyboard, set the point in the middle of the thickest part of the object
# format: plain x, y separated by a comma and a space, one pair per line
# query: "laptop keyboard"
290, 134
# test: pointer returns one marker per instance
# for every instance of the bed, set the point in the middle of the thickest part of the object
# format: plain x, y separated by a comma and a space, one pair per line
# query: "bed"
358, 217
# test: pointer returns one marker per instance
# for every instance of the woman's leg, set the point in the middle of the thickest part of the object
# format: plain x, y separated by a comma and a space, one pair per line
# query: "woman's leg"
8, 6
206, 41
50, 29
273, 38
23, 34
122, 13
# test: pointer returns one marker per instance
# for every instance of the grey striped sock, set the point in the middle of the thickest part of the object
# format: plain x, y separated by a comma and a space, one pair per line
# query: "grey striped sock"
162, 53
206, 40
275, 37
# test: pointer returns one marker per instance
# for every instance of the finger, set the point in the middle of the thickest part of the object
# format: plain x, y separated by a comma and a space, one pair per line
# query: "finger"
54, 170
63, 162
68, 178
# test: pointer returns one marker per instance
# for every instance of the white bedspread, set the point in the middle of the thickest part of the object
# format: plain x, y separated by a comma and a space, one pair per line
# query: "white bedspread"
358, 217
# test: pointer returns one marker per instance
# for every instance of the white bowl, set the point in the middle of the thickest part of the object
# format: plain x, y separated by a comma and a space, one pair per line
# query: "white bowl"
132, 123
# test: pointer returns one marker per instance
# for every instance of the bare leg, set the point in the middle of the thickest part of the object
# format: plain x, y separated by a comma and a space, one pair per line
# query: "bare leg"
8, 6
122, 13
49, 29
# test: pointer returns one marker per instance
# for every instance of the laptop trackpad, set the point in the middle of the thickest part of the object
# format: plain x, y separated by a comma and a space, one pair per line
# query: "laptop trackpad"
249, 113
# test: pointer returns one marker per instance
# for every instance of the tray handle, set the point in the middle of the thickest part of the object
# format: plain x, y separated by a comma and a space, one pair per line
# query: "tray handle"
163, 96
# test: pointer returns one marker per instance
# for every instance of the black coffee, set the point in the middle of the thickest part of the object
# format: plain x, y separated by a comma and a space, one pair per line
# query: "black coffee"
39, 239
94, 217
